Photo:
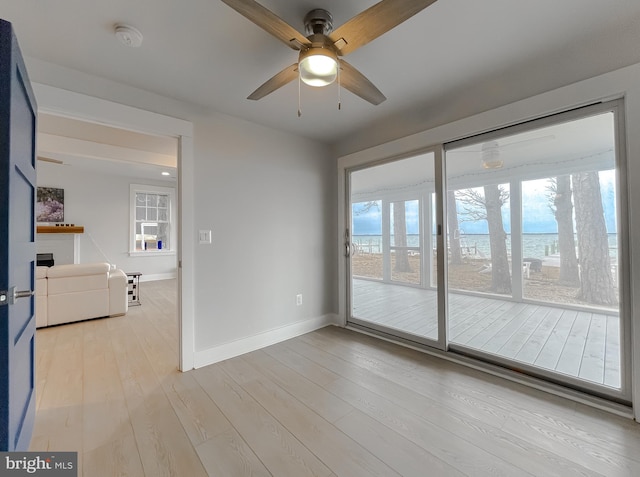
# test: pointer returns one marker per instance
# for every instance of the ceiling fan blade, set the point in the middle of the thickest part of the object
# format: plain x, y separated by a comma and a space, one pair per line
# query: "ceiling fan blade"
512, 145
528, 142
279, 80
373, 22
270, 22
358, 84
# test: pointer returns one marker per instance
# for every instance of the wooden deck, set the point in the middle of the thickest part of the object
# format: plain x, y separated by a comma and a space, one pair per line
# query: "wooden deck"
576, 343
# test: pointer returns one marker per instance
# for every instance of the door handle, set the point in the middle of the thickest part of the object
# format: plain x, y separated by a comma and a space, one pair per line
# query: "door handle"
22, 294
347, 249
10, 296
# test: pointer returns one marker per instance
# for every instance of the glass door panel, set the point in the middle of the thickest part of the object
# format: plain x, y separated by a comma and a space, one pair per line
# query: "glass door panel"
533, 257
479, 241
406, 247
366, 255
392, 249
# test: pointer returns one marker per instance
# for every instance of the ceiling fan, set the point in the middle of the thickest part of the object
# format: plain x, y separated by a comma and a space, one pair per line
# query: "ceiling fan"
318, 61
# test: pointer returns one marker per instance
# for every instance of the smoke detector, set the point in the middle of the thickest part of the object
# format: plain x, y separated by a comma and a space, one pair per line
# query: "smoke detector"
128, 35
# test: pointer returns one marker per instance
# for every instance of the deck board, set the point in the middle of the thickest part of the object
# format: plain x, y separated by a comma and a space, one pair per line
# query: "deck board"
552, 349
612, 354
576, 343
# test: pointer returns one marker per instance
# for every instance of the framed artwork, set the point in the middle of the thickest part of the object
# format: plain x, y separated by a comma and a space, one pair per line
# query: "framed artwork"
50, 205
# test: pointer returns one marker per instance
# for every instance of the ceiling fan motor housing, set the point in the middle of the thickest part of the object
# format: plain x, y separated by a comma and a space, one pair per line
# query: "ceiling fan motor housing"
318, 21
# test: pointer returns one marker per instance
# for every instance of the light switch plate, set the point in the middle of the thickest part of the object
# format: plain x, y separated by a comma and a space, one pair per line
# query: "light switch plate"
204, 236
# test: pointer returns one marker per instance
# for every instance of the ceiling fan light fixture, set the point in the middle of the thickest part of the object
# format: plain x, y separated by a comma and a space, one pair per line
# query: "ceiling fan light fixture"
491, 155
318, 66
492, 164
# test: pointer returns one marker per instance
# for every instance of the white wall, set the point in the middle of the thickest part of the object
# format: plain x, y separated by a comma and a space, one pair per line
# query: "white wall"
621, 83
270, 200
100, 203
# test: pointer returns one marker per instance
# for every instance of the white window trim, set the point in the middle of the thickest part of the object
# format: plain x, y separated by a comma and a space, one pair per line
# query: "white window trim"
145, 188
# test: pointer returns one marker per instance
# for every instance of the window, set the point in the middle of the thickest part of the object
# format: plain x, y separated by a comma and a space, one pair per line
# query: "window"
152, 230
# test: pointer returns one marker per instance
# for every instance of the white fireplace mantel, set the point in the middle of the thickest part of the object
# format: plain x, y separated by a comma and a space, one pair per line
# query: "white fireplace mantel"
62, 241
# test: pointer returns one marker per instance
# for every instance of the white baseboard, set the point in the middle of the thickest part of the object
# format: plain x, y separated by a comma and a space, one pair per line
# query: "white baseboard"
157, 276
267, 338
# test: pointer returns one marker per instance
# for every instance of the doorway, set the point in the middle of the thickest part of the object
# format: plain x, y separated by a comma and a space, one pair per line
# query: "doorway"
79, 107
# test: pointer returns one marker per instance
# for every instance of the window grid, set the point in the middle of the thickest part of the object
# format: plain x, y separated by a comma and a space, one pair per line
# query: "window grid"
152, 221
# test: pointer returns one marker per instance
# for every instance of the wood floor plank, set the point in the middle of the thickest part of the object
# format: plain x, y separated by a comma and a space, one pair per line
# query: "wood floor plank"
592, 456
407, 458
440, 442
307, 392
427, 394
107, 432
228, 454
339, 452
165, 449
318, 374
433, 373
463, 424
59, 423
278, 450
199, 415
550, 414
109, 389
46, 339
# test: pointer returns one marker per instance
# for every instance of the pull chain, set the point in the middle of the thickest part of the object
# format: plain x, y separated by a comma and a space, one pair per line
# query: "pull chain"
339, 89
299, 101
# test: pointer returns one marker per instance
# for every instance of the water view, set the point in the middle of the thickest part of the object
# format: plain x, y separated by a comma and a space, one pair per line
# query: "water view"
533, 245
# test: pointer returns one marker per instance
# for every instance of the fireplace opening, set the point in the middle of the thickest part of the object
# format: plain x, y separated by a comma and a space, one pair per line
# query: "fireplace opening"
44, 260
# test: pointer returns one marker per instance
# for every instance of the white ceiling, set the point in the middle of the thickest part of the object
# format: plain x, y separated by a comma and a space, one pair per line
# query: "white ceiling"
455, 58
564, 148
105, 150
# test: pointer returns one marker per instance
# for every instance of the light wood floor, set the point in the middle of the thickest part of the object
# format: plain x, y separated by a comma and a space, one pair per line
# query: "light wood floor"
582, 344
329, 403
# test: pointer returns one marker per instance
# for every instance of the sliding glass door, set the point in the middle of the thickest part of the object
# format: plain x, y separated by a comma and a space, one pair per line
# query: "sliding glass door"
534, 282
393, 251
533, 250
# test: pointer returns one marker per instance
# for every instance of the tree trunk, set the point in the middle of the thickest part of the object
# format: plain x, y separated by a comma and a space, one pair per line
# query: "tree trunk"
454, 231
569, 272
596, 282
400, 237
500, 274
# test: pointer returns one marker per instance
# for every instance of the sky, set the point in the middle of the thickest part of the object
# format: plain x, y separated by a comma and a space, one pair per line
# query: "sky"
537, 216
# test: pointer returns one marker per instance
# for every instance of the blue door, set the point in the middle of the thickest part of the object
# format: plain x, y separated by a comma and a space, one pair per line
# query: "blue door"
17, 246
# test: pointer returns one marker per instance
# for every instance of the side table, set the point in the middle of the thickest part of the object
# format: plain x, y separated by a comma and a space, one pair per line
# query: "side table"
133, 291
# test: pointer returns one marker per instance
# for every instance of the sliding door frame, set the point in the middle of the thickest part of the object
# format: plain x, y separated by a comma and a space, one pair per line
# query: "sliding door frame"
425, 228
442, 346
622, 218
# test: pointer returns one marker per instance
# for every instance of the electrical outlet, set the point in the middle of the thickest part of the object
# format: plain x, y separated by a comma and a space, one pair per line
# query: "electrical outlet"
299, 299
